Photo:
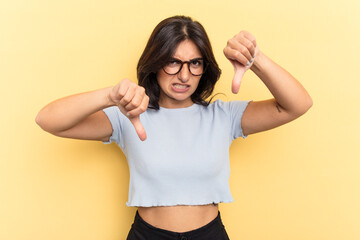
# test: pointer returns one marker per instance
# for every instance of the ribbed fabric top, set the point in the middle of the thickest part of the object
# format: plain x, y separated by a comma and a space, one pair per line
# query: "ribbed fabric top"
185, 158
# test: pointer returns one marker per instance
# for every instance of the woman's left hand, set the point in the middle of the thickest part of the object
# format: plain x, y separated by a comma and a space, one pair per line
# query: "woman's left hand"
241, 50
290, 101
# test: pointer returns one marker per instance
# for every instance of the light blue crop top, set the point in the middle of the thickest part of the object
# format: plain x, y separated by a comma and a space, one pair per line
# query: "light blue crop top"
185, 158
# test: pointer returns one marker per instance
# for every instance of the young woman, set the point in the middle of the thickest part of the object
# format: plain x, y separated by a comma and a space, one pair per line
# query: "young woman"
176, 142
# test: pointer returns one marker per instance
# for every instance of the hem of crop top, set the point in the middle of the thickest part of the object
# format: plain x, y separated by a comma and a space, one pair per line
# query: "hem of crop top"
176, 204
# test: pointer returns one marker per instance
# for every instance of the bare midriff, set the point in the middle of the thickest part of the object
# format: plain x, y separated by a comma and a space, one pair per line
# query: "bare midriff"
179, 218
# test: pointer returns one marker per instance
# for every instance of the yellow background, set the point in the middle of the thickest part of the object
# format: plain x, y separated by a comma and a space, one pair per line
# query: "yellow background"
299, 181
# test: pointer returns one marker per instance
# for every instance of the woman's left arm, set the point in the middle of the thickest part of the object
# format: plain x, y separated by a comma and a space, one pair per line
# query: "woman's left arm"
290, 101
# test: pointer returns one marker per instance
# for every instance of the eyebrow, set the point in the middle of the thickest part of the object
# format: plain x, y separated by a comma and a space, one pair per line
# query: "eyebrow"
177, 59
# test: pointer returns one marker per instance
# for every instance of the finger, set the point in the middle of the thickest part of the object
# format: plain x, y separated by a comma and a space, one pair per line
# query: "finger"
240, 44
113, 96
137, 99
128, 96
142, 108
234, 55
239, 73
139, 128
123, 88
248, 44
249, 36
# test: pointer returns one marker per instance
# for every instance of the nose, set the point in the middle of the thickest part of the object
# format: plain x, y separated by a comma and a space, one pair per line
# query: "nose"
184, 74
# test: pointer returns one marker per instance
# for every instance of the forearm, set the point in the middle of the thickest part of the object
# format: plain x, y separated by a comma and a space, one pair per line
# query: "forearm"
66, 112
290, 95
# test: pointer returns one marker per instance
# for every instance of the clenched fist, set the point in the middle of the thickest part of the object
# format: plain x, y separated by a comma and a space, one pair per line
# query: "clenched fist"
132, 101
241, 50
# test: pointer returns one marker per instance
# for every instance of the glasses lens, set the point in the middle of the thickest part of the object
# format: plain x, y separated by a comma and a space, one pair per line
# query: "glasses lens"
172, 67
197, 66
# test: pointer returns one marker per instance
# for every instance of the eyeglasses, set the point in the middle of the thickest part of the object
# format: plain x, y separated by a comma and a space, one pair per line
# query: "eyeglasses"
196, 66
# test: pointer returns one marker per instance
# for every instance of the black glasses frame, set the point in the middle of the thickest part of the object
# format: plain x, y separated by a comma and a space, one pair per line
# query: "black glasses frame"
188, 64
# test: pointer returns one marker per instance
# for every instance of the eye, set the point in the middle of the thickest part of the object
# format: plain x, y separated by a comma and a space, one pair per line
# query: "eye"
173, 63
197, 62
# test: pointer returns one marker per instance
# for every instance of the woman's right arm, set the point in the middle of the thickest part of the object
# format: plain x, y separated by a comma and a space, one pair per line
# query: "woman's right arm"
80, 116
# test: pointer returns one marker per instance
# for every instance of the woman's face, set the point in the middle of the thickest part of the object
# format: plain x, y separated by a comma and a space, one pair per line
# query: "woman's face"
176, 90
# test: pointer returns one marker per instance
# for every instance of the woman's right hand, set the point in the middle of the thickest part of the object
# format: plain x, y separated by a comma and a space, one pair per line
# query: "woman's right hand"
132, 101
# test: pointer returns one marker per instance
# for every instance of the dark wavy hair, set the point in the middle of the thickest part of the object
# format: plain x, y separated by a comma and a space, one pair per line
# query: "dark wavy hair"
161, 47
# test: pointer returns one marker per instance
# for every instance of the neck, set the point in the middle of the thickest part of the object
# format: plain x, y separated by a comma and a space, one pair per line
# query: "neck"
176, 104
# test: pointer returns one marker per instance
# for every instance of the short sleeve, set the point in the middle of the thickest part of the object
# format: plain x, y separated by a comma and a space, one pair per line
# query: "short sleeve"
115, 117
236, 111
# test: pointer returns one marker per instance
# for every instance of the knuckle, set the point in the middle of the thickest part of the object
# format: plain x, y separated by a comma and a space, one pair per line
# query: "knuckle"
245, 52
241, 58
142, 108
134, 85
121, 93
252, 39
141, 87
238, 55
135, 103
248, 45
243, 49
128, 107
126, 99
252, 49
146, 105
226, 51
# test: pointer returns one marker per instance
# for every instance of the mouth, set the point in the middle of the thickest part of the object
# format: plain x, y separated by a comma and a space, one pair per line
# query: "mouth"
180, 88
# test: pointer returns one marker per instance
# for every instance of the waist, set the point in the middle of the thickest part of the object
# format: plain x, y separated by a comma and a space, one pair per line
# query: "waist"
179, 218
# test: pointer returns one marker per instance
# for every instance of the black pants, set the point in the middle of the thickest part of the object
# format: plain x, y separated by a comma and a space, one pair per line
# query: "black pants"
141, 230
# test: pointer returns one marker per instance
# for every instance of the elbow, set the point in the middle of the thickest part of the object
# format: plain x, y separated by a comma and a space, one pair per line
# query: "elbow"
306, 104
300, 107
310, 103
45, 120
42, 121
39, 120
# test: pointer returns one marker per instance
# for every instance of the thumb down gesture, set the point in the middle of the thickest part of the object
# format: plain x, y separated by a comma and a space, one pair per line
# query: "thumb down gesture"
241, 51
132, 101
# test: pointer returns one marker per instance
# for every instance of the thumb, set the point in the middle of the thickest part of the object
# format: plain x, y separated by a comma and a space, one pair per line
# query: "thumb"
239, 73
240, 70
139, 128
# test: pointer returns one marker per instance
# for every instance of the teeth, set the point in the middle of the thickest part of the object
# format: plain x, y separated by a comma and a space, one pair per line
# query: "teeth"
180, 86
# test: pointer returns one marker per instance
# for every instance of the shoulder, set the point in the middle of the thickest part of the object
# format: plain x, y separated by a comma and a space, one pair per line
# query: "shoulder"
113, 112
227, 105
218, 104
